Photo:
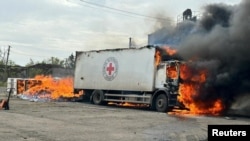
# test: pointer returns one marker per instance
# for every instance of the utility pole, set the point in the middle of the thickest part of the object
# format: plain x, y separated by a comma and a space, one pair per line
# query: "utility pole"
8, 53
6, 63
130, 42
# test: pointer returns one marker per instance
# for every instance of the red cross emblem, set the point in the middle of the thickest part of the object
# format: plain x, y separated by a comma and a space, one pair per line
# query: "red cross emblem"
110, 68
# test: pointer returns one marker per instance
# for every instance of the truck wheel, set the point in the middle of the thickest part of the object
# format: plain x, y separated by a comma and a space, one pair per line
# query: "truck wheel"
161, 103
97, 97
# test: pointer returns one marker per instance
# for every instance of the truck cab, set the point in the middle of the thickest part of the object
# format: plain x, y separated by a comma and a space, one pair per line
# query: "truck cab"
167, 85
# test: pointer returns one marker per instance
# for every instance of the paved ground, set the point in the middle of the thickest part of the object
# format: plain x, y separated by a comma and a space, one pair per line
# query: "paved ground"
75, 121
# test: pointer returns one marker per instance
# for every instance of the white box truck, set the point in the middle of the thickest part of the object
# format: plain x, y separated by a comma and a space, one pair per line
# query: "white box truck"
132, 75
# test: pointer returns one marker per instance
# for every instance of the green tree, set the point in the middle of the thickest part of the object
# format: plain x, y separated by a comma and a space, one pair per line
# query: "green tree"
1, 57
36, 68
11, 63
32, 62
43, 67
70, 62
54, 61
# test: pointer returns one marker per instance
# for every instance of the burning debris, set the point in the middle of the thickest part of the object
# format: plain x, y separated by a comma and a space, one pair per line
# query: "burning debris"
217, 50
46, 88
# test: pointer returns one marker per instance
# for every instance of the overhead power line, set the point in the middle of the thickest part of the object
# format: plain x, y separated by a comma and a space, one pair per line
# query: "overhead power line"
123, 11
26, 54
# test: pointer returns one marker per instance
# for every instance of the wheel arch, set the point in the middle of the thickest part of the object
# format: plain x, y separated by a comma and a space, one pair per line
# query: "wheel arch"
157, 93
94, 92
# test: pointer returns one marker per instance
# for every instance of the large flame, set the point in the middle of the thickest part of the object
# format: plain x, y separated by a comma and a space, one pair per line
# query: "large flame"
190, 89
49, 87
158, 55
171, 72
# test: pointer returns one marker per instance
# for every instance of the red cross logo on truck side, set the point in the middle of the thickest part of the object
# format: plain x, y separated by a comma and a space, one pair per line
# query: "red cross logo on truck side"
110, 68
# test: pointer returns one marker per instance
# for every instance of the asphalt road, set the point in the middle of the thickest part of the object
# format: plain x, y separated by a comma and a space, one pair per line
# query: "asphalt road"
76, 121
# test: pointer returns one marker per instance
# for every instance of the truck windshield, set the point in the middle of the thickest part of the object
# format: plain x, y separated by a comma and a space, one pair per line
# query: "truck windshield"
172, 71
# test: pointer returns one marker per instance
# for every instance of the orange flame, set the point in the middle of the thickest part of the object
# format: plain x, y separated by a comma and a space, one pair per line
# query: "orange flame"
171, 72
127, 104
190, 88
169, 50
20, 86
51, 87
157, 57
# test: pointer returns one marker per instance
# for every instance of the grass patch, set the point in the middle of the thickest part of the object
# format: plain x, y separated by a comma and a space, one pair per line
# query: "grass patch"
3, 84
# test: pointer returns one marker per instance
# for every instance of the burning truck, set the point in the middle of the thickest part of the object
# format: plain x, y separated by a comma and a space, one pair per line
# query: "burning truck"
128, 75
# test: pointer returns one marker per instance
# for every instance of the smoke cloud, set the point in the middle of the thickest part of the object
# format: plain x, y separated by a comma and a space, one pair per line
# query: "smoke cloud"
218, 42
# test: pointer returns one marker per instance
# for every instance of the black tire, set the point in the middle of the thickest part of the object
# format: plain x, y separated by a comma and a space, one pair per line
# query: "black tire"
161, 103
97, 97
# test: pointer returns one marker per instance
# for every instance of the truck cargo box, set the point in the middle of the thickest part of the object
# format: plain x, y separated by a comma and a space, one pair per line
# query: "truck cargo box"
131, 69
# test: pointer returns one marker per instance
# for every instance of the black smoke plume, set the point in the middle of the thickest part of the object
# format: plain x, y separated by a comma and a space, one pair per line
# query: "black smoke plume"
219, 42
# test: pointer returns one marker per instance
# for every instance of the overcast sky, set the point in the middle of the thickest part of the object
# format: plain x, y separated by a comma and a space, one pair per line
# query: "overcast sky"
41, 29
